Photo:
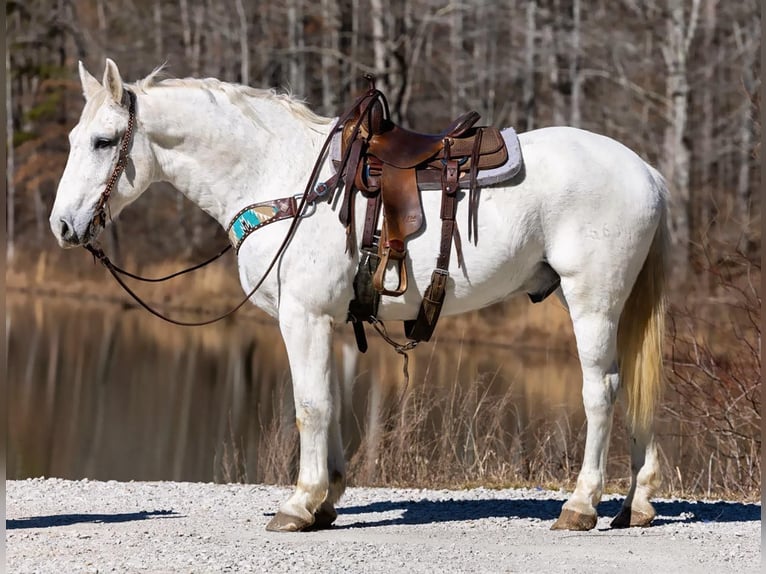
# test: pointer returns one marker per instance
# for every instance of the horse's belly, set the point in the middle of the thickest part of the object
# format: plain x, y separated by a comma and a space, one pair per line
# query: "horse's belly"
496, 267
462, 295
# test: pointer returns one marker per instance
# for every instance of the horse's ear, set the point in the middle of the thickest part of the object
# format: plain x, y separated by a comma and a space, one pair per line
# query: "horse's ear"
113, 81
89, 84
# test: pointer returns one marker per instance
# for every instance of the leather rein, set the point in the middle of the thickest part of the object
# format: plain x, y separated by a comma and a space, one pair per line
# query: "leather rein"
312, 193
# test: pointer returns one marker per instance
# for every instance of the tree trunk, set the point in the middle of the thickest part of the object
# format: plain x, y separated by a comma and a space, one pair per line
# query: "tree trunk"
244, 54
479, 57
528, 91
295, 42
186, 29
158, 32
354, 49
746, 125
680, 33
379, 45
400, 49
707, 151
102, 27
199, 19
331, 47
11, 188
551, 40
575, 118
456, 87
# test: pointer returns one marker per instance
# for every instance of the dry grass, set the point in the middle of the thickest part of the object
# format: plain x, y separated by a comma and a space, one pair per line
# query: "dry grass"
464, 436
715, 383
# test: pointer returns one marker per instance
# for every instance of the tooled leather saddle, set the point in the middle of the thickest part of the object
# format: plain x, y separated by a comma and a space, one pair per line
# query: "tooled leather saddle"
389, 166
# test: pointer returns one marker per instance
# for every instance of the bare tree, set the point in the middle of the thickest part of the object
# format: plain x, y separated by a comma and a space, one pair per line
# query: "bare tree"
457, 86
244, 52
186, 29
528, 94
158, 31
707, 152
748, 43
9, 173
379, 43
296, 43
681, 28
331, 49
575, 77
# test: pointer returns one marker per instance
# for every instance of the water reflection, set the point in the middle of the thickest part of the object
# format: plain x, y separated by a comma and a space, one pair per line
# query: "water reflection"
102, 392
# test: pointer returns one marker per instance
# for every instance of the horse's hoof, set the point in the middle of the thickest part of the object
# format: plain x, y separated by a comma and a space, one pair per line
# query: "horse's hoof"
323, 518
285, 523
629, 517
572, 520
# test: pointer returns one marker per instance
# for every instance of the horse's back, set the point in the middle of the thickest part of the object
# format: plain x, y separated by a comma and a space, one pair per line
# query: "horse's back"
580, 166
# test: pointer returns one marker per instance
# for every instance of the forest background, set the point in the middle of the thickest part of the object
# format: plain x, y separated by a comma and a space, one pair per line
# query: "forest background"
677, 81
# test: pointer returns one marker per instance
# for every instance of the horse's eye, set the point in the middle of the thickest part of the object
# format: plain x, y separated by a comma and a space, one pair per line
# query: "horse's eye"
101, 143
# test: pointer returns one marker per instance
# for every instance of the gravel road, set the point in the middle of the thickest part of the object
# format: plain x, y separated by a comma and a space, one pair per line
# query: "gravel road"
65, 526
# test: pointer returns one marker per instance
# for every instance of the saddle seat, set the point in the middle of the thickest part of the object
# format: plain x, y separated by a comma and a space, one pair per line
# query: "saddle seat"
405, 149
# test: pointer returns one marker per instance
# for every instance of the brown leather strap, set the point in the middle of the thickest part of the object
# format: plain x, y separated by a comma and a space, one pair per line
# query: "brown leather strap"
346, 214
473, 194
371, 222
423, 326
450, 175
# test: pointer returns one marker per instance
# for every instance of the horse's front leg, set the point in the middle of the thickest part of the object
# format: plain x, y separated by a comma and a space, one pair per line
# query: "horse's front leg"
308, 339
336, 462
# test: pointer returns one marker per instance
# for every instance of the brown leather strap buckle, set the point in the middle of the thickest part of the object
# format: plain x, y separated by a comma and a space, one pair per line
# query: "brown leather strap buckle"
388, 253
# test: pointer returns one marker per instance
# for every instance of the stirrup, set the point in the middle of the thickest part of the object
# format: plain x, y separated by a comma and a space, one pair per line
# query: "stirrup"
378, 280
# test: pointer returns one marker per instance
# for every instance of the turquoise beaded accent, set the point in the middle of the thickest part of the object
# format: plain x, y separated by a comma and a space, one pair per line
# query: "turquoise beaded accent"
248, 221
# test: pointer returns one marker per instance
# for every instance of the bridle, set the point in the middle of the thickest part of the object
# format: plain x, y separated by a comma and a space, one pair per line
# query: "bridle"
314, 192
99, 217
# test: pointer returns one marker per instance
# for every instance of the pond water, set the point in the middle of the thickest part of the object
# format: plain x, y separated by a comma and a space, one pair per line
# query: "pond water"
103, 392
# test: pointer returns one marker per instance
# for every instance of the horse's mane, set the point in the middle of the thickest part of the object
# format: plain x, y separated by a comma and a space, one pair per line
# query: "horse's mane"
237, 94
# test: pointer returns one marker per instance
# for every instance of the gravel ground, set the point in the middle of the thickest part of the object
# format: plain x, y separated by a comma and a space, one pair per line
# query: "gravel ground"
60, 526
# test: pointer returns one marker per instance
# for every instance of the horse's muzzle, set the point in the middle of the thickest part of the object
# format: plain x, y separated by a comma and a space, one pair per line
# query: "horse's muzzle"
64, 230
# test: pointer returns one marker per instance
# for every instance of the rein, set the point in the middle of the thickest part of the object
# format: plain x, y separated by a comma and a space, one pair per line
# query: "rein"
311, 194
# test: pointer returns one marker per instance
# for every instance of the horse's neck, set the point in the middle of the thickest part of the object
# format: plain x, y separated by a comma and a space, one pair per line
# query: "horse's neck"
221, 159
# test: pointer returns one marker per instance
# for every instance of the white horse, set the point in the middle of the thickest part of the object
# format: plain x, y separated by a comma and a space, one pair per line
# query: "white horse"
586, 204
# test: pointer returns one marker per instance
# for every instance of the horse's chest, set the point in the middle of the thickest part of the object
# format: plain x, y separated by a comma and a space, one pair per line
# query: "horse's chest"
314, 270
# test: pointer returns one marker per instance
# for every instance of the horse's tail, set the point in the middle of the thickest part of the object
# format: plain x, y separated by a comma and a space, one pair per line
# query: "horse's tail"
642, 326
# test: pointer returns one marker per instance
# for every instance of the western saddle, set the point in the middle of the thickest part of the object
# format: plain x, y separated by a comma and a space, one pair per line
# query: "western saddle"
389, 166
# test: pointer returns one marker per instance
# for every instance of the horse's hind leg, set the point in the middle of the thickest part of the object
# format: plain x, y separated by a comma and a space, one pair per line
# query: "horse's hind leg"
595, 327
637, 510
308, 339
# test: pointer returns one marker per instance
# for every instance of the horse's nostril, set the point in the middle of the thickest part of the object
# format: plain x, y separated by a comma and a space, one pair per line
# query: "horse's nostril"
64, 229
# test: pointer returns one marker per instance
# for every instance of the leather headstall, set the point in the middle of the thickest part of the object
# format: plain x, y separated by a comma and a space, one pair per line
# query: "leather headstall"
100, 211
